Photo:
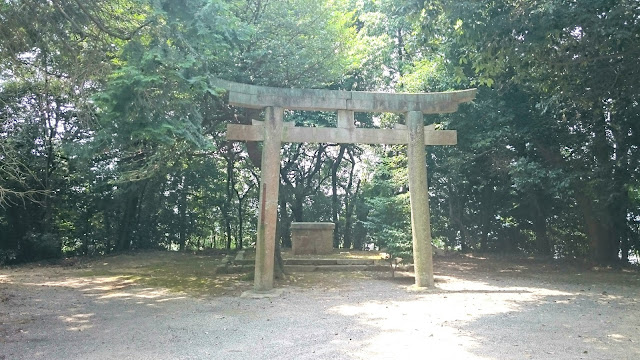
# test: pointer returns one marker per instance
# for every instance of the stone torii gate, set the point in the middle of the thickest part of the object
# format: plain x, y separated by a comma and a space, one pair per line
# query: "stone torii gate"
273, 131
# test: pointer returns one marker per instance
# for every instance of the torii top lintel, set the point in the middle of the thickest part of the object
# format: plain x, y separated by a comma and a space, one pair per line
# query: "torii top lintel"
253, 96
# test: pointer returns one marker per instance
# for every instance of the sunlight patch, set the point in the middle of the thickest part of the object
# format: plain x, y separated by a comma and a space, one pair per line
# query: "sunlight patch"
78, 322
77, 283
438, 317
617, 337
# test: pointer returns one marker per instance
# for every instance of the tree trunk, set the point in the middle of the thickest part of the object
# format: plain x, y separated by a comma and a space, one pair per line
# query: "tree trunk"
456, 212
136, 225
108, 234
285, 220
240, 224
599, 234
296, 208
182, 210
625, 249
543, 247
349, 206
86, 218
126, 228
334, 197
348, 225
359, 235
229, 193
596, 228
278, 271
486, 215
600, 221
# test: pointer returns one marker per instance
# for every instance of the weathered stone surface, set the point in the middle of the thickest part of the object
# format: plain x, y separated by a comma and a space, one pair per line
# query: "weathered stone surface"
343, 267
346, 119
340, 135
312, 268
355, 261
324, 262
311, 238
437, 251
419, 197
319, 262
265, 294
245, 262
268, 205
239, 256
301, 268
253, 96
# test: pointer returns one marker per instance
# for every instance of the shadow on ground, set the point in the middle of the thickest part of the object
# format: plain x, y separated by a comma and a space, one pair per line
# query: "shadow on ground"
481, 308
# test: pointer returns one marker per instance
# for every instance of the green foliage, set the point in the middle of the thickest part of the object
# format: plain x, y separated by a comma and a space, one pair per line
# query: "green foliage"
388, 221
295, 43
112, 137
40, 246
558, 66
111, 134
389, 225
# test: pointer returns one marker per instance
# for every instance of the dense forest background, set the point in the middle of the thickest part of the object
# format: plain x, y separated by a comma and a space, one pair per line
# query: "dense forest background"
112, 136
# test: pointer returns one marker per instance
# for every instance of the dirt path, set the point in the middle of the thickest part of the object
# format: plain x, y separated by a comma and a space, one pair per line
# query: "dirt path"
481, 309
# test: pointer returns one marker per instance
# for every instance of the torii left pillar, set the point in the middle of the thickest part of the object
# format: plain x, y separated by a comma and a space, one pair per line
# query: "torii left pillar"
269, 185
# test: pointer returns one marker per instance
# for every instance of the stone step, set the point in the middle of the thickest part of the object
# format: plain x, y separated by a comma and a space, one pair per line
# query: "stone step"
318, 262
310, 265
356, 262
310, 262
245, 262
322, 262
310, 268
237, 267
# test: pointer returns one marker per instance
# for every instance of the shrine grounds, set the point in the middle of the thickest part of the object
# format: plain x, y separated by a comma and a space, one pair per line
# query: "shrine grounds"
158, 305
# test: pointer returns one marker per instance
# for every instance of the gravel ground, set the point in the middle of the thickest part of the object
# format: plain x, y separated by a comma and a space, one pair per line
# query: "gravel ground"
480, 309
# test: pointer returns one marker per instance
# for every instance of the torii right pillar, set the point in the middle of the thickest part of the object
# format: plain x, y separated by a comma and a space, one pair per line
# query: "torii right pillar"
419, 195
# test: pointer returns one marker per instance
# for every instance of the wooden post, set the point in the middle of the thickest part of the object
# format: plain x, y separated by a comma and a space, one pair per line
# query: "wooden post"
419, 195
268, 207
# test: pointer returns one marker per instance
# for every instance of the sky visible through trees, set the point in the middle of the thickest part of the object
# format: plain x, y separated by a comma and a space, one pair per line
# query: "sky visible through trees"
112, 136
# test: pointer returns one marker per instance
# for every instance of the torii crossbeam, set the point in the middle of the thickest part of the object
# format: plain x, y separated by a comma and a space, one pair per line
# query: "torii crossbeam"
273, 131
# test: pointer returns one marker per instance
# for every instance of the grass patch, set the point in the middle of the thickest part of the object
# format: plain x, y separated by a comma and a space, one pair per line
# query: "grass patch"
198, 275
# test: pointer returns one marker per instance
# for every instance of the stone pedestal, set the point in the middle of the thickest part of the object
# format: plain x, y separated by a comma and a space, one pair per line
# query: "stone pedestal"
310, 238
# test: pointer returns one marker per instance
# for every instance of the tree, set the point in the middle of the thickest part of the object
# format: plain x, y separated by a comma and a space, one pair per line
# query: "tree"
566, 60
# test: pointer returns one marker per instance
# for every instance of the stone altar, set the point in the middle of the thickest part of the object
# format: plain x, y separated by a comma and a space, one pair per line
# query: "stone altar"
312, 238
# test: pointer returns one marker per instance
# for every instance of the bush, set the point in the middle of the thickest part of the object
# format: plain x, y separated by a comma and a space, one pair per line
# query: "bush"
7, 256
39, 246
